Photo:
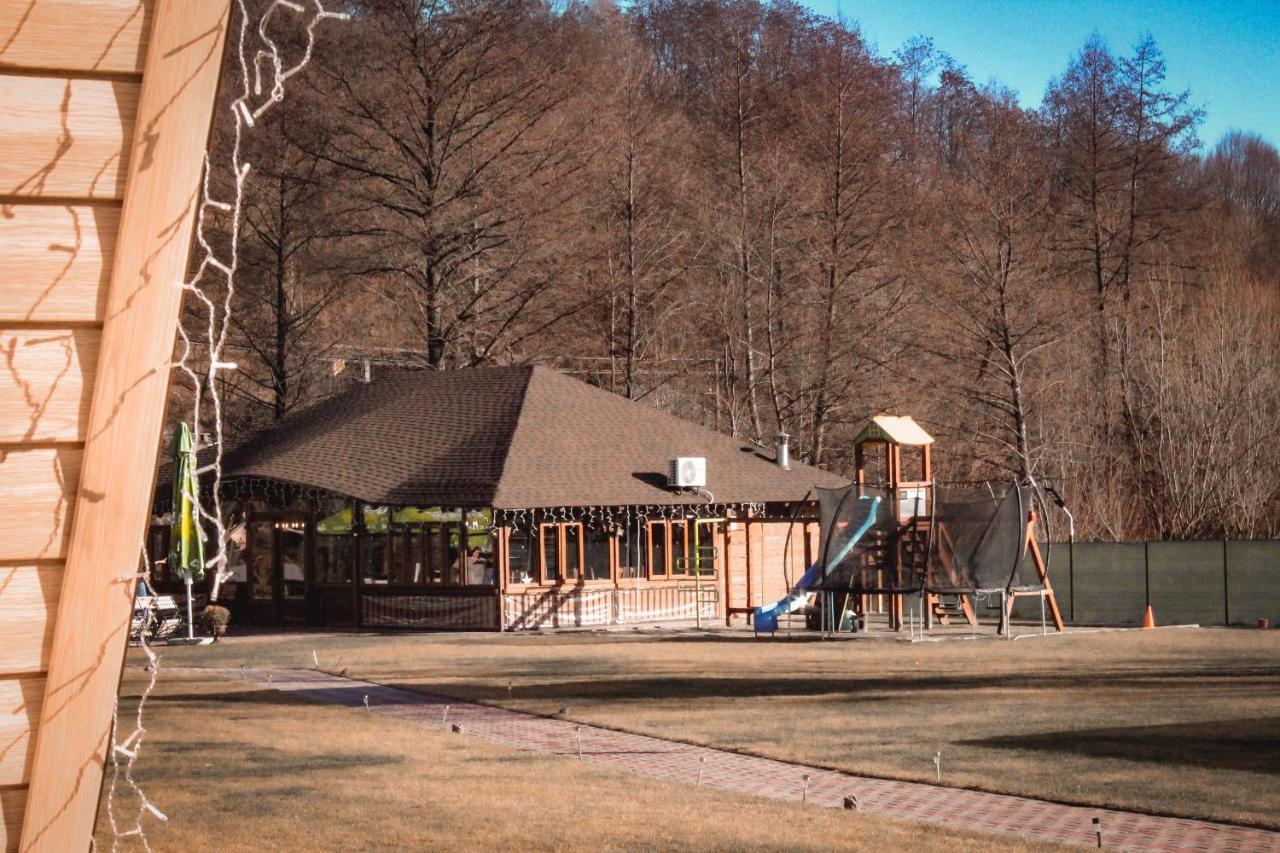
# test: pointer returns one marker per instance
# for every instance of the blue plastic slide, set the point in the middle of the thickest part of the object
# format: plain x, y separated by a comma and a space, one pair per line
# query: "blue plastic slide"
766, 618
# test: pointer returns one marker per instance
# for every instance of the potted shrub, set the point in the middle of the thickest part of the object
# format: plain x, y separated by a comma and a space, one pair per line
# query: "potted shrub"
215, 618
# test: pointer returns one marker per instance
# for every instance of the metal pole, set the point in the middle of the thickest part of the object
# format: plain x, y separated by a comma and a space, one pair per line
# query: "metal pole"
191, 628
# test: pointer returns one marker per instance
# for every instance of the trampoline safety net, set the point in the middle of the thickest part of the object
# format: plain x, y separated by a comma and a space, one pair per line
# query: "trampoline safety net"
859, 531
973, 540
979, 539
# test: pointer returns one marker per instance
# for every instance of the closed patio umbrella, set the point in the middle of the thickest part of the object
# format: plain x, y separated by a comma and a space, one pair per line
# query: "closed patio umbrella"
186, 545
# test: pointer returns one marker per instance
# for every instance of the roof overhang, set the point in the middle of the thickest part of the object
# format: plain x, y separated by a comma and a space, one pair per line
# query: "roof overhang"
894, 429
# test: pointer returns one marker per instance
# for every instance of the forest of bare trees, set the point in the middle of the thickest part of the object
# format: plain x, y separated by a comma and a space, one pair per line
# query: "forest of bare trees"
741, 212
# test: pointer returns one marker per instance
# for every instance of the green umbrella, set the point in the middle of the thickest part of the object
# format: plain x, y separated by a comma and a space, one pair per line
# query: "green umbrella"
186, 549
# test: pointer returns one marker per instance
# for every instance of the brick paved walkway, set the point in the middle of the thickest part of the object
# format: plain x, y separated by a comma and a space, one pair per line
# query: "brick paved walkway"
692, 765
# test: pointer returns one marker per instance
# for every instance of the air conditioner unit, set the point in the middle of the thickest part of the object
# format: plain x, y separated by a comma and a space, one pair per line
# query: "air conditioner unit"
687, 472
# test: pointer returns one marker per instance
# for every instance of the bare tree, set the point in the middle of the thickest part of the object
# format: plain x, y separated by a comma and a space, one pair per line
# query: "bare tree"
454, 140
994, 297
291, 276
845, 129
644, 231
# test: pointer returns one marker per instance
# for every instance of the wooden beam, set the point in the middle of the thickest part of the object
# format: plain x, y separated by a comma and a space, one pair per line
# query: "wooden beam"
55, 261
109, 36
45, 383
1043, 571
30, 601
65, 138
37, 490
184, 57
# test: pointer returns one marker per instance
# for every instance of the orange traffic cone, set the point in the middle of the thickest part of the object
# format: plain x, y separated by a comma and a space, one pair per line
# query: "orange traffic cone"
1149, 621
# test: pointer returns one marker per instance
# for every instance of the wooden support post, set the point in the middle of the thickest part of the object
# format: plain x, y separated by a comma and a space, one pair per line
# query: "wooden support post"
727, 570
357, 562
746, 539
184, 58
1043, 571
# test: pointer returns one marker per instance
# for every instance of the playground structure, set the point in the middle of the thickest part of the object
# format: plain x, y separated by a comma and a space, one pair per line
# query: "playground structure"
893, 542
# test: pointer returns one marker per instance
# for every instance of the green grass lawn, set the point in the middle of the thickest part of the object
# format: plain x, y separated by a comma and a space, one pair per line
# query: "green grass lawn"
237, 767
1179, 721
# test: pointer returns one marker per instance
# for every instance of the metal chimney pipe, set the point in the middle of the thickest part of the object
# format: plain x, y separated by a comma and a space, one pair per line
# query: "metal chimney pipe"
782, 454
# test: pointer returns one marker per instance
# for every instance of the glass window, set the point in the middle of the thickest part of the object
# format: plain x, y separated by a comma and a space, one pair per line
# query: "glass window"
333, 558
259, 557
630, 551
706, 535
572, 550
521, 555
398, 570
550, 553
596, 554
453, 556
658, 549
435, 553
373, 558
482, 567
680, 564
335, 546
293, 558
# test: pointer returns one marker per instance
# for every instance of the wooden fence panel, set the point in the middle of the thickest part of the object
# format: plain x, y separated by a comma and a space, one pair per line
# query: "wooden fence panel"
55, 261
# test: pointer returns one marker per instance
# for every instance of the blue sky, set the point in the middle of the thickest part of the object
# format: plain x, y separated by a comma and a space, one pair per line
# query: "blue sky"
1226, 53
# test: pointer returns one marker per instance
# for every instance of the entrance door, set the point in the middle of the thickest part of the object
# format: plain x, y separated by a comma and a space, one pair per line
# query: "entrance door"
291, 575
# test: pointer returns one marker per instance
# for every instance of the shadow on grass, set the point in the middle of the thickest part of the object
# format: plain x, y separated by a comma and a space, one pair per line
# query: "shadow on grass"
1250, 745
860, 688
1181, 686
265, 762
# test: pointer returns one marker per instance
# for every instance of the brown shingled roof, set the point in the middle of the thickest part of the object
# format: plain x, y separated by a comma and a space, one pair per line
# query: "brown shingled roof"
506, 437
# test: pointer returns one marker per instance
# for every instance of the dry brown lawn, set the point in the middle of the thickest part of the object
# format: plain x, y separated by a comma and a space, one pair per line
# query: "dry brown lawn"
1179, 721
239, 768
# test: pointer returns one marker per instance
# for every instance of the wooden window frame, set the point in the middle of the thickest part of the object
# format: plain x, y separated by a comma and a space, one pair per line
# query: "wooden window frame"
650, 574
564, 552
542, 554
669, 552
535, 544
562, 575
673, 563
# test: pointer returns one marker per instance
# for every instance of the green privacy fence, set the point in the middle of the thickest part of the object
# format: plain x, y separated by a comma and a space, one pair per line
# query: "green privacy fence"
1208, 583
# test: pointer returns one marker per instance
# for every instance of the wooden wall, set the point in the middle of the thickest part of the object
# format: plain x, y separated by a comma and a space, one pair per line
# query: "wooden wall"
763, 564
104, 114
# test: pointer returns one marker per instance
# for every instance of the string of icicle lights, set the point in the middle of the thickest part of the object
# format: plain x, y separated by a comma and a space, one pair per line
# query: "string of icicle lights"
263, 73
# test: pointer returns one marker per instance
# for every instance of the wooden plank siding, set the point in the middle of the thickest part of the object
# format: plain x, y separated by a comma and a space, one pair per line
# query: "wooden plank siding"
90, 36
55, 261
75, 149
30, 601
21, 701
45, 377
37, 493
736, 561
